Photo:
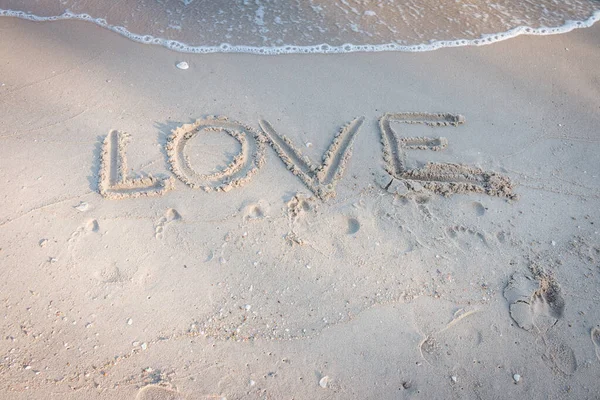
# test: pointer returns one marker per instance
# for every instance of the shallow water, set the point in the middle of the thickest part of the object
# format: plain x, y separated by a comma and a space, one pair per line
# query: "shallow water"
316, 26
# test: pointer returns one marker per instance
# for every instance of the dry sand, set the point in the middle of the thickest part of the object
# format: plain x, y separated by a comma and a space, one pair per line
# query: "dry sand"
330, 280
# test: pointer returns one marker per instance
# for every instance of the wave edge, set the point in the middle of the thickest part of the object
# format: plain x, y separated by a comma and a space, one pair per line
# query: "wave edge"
322, 48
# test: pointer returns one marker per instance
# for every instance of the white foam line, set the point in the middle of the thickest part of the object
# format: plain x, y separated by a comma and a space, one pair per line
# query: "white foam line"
319, 48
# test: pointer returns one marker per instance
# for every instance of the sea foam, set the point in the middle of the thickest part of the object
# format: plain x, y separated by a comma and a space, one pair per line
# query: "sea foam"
398, 43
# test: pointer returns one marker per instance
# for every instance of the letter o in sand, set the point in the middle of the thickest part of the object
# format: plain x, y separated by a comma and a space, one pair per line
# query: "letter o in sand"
239, 171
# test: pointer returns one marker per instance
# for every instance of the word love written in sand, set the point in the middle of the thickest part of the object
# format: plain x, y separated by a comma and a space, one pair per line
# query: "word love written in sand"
443, 178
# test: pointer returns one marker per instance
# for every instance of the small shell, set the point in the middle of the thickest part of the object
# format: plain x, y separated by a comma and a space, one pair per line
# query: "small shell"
517, 378
323, 382
182, 65
82, 207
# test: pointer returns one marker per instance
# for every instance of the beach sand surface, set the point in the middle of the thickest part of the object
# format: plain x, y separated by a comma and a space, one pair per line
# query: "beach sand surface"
475, 277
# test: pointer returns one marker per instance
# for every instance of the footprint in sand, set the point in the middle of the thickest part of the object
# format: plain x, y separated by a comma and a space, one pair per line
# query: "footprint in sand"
299, 205
478, 208
112, 274
345, 224
353, 226
559, 356
254, 211
536, 304
467, 239
90, 226
155, 392
502, 236
453, 345
159, 227
595, 335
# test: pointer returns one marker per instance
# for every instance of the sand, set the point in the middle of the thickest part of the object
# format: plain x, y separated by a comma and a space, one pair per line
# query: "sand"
346, 261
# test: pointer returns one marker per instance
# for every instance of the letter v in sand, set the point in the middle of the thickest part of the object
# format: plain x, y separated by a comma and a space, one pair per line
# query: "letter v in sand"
321, 180
114, 183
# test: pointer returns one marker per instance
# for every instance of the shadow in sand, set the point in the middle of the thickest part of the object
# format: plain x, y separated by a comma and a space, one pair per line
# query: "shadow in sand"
93, 178
164, 131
